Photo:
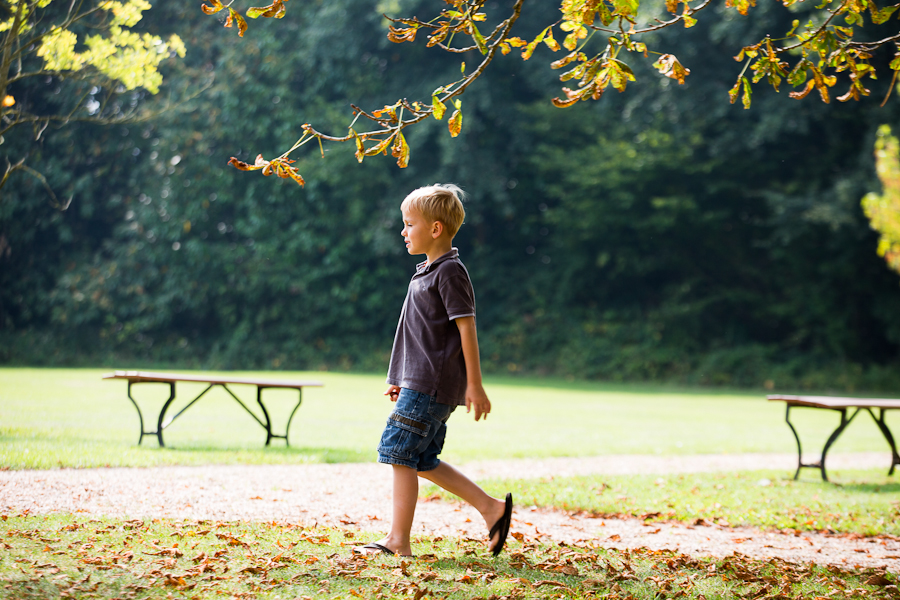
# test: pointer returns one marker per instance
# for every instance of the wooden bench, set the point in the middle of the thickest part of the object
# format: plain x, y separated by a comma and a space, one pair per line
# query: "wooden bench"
841, 405
171, 379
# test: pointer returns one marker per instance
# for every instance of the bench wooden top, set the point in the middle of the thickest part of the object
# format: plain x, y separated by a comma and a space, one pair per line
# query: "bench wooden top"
836, 402
138, 376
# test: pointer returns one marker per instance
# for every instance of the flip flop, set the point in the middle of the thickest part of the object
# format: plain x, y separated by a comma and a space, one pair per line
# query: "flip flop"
502, 526
378, 548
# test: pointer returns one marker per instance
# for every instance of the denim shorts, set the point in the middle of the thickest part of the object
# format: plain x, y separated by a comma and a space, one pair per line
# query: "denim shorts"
415, 431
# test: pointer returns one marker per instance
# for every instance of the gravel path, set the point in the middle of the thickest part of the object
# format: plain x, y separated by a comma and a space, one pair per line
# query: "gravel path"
358, 496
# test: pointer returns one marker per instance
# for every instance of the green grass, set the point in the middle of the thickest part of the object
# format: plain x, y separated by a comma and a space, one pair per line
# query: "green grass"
65, 556
72, 418
866, 502
54, 417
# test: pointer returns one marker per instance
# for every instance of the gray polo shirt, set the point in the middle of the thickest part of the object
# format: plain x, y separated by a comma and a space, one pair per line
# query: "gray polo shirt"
427, 355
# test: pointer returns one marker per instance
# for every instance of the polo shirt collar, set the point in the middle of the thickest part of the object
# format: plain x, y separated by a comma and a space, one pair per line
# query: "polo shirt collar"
424, 267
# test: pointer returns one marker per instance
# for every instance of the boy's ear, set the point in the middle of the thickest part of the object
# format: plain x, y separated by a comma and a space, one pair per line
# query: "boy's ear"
437, 229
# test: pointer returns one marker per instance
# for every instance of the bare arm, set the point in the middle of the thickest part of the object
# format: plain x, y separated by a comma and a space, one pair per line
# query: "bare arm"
476, 397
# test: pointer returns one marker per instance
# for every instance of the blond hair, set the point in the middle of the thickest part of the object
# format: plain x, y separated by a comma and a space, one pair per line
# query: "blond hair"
439, 202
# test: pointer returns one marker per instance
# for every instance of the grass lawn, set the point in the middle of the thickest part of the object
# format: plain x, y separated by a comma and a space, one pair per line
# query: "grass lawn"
72, 418
867, 502
64, 556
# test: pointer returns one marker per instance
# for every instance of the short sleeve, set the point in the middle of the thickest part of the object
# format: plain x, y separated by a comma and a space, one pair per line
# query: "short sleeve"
457, 294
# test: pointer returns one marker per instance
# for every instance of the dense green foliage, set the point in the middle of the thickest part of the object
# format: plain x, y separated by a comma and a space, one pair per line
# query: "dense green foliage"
734, 251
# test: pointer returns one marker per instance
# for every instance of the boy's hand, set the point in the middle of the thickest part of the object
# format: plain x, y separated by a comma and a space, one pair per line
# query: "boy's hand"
394, 393
477, 398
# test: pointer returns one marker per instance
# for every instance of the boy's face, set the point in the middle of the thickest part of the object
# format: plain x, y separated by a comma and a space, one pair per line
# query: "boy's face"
418, 233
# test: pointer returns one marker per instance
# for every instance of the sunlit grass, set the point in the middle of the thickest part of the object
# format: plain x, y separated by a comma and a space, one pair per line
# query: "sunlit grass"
866, 502
73, 418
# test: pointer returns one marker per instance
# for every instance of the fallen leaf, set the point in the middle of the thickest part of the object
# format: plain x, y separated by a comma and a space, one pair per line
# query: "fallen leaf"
879, 580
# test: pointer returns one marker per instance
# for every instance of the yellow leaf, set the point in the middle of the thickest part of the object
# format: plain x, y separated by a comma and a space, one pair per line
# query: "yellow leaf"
455, 123
211, 10
669, 66
360, 149
379, 147
564, 103
400, 150
437, 107
120, 54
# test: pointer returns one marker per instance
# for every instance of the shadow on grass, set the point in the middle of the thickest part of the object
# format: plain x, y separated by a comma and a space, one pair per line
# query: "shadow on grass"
872, 488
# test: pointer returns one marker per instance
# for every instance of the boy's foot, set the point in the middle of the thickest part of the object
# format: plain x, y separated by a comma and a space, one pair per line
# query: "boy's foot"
376, 548
501, 527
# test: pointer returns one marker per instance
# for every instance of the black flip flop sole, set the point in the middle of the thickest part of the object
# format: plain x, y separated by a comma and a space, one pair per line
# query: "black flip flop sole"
502, 526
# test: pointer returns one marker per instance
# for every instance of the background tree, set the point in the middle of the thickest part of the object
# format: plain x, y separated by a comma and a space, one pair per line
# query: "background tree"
79, 61
65, 68
658, 234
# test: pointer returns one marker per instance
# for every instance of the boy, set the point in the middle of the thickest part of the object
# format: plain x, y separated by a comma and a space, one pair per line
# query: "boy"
434, 368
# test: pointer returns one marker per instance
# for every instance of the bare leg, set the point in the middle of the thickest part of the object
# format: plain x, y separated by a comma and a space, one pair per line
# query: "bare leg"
455, 482
406, 491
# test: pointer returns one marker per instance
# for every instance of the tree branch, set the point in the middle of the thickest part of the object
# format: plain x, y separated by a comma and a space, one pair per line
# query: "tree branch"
503, 28
821, 28
23, 118
21, 166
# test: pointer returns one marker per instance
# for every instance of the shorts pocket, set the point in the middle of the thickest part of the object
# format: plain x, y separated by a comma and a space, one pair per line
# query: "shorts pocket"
409, 423
405, 436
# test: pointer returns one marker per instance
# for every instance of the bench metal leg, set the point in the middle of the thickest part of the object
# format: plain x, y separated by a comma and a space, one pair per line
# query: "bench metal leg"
140, 416
895, 459
162, 415
268, 425
159, 425
831, 440
800, 465
287, 429
834, 436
